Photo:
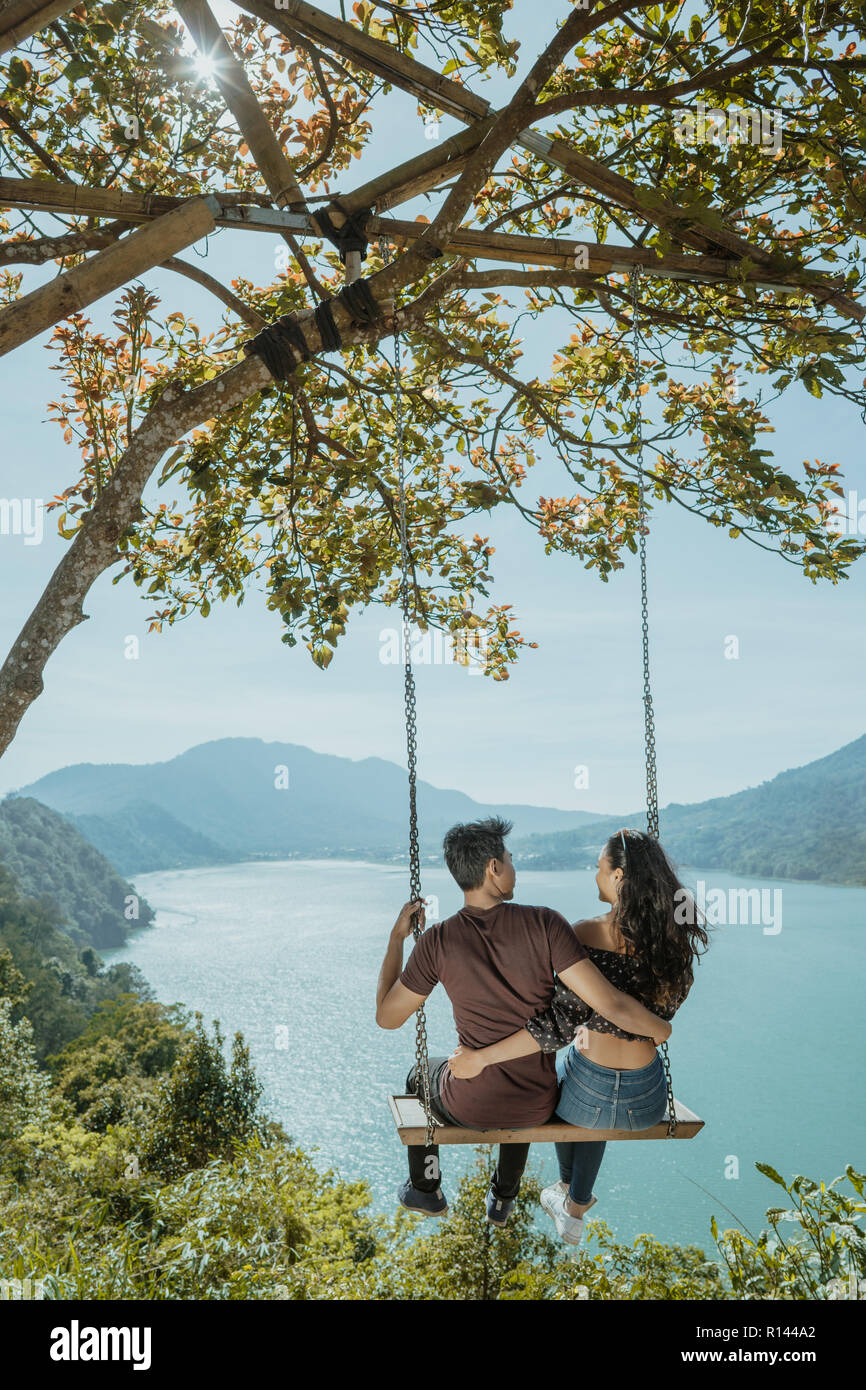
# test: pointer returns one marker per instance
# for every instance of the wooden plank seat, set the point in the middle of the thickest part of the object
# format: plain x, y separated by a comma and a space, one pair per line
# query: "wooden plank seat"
409, 1119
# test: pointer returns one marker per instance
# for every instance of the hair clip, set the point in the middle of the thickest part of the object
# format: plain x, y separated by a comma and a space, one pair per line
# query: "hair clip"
622, 837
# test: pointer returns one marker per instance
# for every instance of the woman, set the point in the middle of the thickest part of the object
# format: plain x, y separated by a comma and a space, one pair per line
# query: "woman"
646, 945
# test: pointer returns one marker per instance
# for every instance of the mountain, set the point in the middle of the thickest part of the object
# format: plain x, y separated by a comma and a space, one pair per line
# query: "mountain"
240, 798
144, 837
48, 857
808, 823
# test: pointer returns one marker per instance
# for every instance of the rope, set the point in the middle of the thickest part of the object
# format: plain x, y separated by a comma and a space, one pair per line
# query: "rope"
281, 346
357, 299
422, 1063
351, 235
328, 330
652, 792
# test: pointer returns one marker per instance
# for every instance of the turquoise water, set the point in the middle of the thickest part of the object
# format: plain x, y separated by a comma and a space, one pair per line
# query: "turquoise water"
768, 1049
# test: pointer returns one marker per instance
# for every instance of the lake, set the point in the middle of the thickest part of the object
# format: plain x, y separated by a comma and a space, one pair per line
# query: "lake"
768, 1049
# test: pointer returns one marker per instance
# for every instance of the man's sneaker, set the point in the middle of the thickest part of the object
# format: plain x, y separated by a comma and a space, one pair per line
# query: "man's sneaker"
498, 1208
423, 1203
570, 1228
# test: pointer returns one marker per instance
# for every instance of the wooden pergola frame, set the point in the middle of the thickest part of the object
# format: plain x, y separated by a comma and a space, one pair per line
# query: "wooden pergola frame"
21, 19
719, 250
711, 252
235, 212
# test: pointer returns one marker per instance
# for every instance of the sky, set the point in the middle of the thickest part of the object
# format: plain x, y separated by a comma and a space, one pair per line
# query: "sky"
793, 694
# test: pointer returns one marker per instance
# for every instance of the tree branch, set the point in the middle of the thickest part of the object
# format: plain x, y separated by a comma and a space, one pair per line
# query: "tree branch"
233, 301
24, 135
38, 250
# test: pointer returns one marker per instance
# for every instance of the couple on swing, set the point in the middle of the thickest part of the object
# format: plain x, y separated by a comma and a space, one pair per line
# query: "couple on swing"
496, 960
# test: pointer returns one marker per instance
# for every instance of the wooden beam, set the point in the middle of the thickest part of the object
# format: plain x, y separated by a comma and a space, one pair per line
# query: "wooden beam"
602, 259
20, 19
417, 175
77, 200
104, 272
239, 97
373, 55
475, 243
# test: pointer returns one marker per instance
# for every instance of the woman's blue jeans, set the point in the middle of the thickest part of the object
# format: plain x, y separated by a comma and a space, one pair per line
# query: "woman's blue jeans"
602, 1098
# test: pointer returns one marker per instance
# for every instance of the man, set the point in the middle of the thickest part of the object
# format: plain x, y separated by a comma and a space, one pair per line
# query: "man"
496, 960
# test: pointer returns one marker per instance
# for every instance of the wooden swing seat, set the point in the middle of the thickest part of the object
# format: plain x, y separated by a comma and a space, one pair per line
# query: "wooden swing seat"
409, 1119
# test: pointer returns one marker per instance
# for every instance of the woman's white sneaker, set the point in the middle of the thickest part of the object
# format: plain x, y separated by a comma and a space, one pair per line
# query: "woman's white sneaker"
569, 1228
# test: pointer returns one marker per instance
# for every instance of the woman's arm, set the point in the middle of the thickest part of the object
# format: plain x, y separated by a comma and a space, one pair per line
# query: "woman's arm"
466, 1063
619, 1008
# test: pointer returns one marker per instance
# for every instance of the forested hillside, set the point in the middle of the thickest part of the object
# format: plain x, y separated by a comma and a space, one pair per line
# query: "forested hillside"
50, 858
808, 823
136, 1163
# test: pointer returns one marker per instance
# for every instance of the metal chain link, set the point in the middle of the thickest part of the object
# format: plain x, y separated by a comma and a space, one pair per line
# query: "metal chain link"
652, 803
652, 792
422, 1062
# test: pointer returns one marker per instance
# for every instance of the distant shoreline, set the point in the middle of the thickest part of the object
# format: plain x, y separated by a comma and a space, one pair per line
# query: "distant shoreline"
435, 861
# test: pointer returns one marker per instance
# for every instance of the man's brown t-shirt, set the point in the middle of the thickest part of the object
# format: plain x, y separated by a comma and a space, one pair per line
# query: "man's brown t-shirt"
496, 965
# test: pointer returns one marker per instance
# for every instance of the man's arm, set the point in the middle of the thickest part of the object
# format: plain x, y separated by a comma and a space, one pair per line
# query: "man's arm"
394, 1002
586, 979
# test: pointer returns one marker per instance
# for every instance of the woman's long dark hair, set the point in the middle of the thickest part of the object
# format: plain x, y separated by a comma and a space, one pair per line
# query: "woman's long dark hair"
657, 916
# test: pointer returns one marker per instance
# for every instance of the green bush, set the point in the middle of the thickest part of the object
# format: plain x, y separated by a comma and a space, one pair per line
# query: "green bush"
203, 1106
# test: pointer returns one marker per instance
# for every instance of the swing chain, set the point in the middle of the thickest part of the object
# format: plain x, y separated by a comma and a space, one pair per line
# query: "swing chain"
643, 529
652, 794
422, 1064
672, 1104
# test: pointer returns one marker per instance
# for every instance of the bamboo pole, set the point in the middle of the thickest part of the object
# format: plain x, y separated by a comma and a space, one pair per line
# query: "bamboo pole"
241, 100
106, 271
20, 19
373, 55
416, 175
381, 58
597, 259
77, 200
601, 259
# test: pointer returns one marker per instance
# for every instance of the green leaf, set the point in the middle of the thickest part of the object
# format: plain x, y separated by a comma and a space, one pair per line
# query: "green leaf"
857, 1180
19, 72
812, 384
75, 69
771, 1173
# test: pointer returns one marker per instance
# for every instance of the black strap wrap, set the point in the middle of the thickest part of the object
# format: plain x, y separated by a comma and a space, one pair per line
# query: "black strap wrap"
357, 299
328, 330
281, 344
275, 344
352, 235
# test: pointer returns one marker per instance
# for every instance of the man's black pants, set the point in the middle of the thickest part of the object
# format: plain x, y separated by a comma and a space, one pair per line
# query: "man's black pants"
424, 1160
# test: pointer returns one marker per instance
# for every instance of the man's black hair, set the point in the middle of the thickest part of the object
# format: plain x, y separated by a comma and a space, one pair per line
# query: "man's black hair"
469, 849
